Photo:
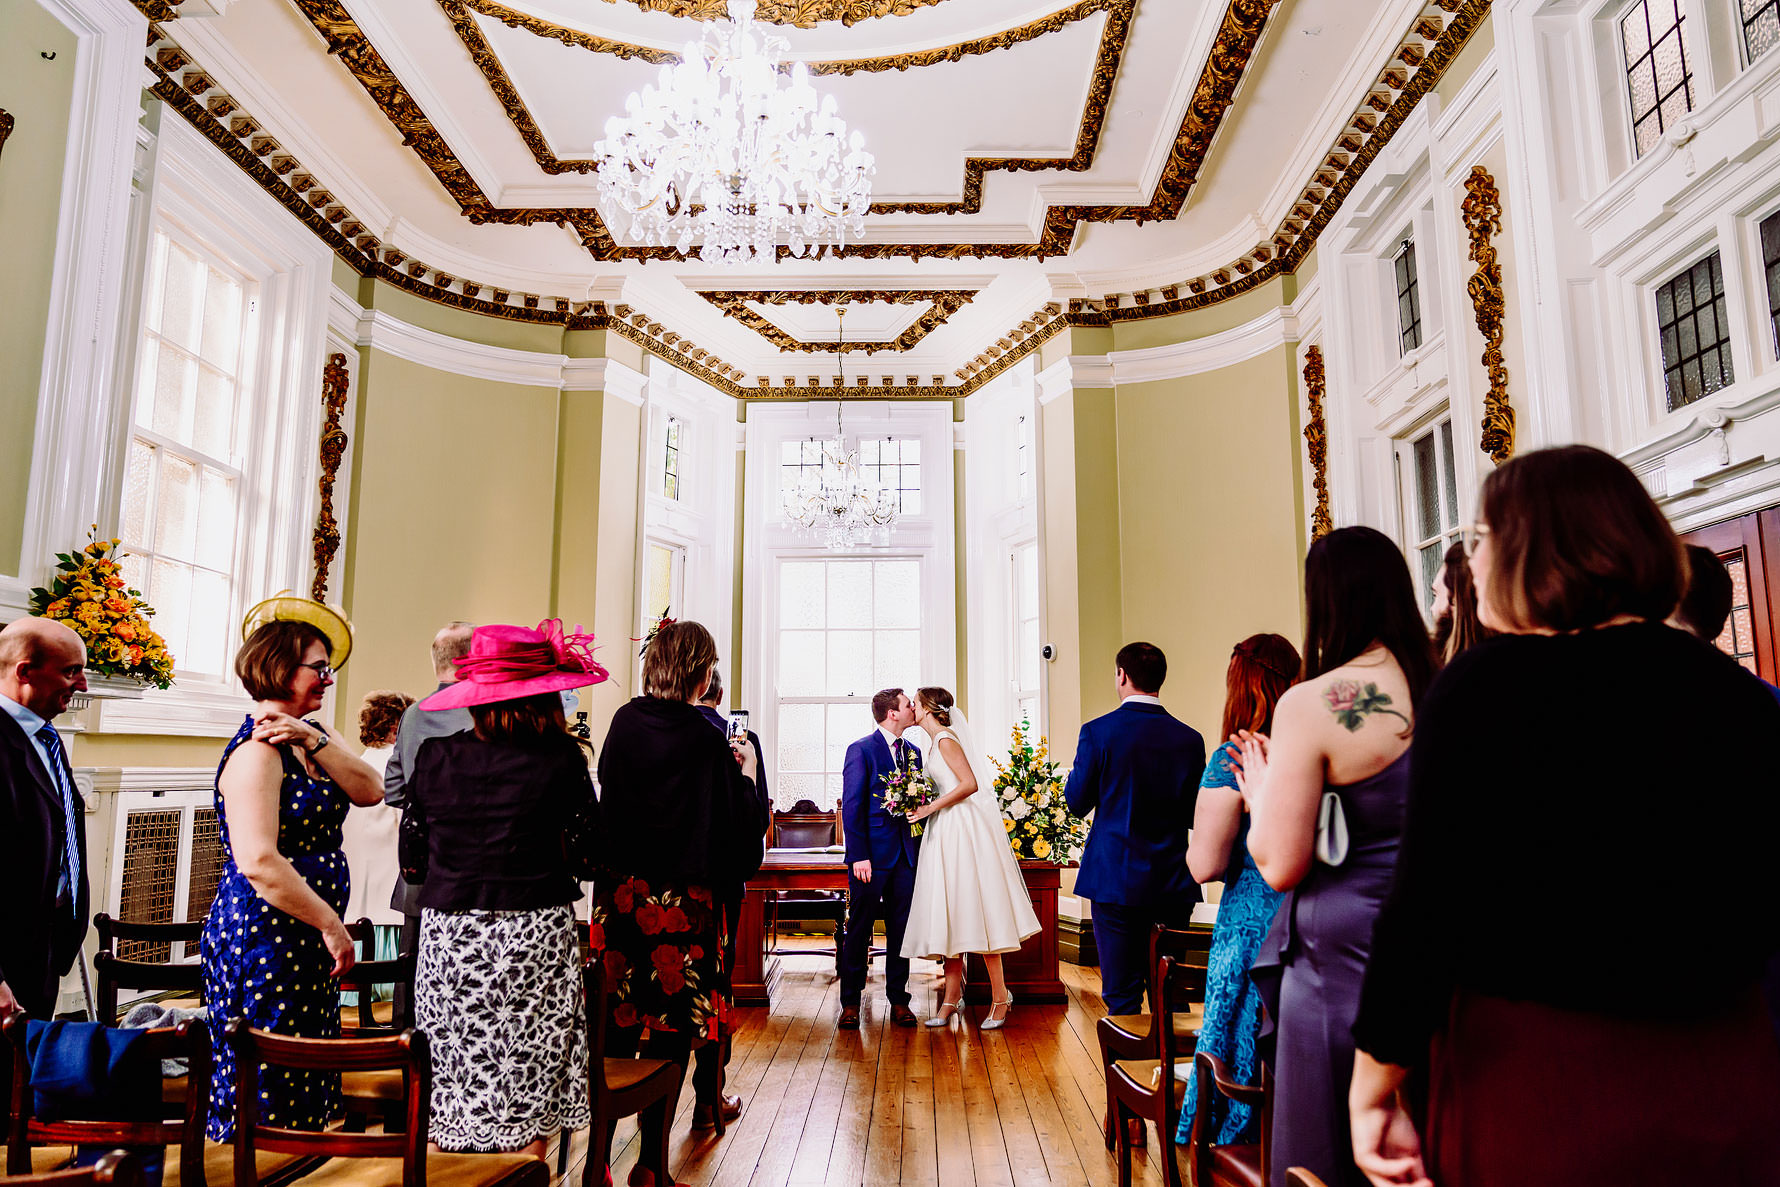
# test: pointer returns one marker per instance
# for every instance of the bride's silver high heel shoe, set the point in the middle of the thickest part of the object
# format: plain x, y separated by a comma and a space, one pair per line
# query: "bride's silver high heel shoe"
941, 1018
990, 1022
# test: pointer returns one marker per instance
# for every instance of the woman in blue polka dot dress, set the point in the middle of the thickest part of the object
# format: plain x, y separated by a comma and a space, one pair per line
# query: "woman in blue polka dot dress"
274, 943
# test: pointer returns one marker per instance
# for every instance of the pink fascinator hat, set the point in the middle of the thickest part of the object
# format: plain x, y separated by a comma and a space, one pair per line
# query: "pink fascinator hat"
507, 663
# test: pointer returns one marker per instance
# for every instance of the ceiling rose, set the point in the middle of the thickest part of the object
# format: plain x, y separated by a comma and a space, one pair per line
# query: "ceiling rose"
804, 14
727, 156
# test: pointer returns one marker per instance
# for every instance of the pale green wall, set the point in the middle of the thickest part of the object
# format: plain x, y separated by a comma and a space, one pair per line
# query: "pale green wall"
1201, 323
461, 323
38, 94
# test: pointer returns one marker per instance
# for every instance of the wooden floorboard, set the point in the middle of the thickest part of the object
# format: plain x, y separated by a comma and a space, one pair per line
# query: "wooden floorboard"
951, 1106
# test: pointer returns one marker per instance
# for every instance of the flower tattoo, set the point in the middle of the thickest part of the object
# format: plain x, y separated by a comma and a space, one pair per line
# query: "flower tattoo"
1351, 703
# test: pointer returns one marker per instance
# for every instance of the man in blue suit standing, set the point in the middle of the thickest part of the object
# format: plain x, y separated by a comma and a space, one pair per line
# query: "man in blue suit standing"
881, 857
1137, 769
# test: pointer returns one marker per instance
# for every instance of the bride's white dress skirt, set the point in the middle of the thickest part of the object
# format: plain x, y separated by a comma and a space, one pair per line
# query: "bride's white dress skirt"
969, 895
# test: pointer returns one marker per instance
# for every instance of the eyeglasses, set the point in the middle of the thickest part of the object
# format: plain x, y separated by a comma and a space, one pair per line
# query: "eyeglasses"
1474, 535
322, 669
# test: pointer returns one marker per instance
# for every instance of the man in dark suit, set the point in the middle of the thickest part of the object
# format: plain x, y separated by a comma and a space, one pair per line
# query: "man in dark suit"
452, 643
881, 857
1137, 769
43, 846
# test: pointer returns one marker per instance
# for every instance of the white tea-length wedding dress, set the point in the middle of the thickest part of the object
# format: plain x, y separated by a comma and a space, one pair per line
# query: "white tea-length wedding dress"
969, 895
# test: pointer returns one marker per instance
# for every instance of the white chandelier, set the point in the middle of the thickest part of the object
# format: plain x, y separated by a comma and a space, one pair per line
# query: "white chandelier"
834, 503
725, 154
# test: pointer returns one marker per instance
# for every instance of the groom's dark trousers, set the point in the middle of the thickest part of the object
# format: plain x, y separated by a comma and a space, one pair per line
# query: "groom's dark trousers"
876, 836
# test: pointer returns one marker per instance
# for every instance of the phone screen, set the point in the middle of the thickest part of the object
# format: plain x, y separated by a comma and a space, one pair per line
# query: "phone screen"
738, 724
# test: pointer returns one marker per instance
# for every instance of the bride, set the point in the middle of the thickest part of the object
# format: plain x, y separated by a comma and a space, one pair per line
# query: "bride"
969, 895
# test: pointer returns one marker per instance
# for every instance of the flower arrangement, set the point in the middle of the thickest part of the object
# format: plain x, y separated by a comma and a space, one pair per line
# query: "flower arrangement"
1030, 791
89, 594
906, 788
654, 630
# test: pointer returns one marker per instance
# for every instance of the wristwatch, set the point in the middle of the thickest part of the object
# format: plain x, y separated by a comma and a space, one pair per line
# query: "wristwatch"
316, 749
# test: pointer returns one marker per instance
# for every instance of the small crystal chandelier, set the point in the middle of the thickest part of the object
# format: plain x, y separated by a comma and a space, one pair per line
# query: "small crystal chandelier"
836, 505
724, 154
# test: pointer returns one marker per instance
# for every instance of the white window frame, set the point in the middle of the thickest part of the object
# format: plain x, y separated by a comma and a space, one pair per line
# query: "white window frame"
192, 185
928, 537
1411, 540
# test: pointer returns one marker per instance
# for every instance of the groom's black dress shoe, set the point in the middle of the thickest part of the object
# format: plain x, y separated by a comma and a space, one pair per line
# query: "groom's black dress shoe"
902, 1016
849, 1019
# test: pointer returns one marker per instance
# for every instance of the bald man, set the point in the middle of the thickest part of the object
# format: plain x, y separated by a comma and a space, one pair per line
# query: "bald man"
43, 857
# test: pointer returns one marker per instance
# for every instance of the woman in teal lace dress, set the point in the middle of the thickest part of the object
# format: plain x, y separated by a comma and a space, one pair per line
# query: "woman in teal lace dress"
1261, 668
274, 943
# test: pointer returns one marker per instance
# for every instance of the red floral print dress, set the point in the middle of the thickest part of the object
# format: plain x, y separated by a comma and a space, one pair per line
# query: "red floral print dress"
662, 947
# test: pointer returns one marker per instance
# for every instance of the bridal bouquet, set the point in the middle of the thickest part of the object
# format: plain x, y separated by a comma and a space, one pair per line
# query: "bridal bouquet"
1030, 790
906, 788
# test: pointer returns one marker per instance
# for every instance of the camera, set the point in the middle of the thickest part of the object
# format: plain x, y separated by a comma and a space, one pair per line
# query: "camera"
1048, 651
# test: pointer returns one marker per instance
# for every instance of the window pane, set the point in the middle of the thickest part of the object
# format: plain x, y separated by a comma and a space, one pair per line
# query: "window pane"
911, 450
1450, 466
658, 583
176, 509
172, 601
789, 789
849, 664
222, 321
898, 602
175, 380
135, 574
800, 663
1695, 332
846, 725
800, 738
790, 452
138, 491
1430, 556
184, 297
157, 281
1761, 31
801, 597
213, 421
216, 521
210, 611
910, 502
849, 595
1029, 658
898, 659
1027, 570
1427, 488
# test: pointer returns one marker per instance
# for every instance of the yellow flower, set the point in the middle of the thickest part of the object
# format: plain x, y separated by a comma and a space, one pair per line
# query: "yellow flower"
1041, 848
1007, 824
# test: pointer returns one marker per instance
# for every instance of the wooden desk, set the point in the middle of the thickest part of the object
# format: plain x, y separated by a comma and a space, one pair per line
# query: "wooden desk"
1031, 972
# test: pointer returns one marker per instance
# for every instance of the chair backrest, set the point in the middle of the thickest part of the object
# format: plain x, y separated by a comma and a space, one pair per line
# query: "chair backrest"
805, 830
114, 972
1298, 1176
1209, 1070
190, 1041
117, 1169
593, 979
365, 974
406, 1051
1188, 947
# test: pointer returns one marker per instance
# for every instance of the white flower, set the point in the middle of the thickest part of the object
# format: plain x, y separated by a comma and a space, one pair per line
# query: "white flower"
1019, 809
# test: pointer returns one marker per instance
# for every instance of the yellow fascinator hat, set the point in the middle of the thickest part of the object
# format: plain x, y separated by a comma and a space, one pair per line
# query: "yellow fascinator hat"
286, 606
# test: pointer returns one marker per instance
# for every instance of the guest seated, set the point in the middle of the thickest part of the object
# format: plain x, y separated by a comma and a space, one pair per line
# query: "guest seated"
369, 835
1261, 668
682, 823
274, 940
1615, 1032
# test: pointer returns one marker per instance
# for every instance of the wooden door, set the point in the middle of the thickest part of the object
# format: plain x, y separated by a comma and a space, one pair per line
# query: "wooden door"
1749, 546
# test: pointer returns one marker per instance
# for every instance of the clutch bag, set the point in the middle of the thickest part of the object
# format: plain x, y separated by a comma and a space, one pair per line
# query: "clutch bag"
1331, 830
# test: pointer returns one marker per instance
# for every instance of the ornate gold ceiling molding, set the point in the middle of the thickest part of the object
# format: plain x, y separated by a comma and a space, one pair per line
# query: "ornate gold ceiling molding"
941, 305
804, 14
1422, 56
1108, 56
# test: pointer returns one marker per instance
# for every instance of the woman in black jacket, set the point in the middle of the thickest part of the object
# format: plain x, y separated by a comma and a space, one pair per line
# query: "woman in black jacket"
681, 822
501, 826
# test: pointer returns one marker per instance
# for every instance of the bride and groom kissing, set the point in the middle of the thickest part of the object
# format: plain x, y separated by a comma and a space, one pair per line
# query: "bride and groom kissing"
948, 889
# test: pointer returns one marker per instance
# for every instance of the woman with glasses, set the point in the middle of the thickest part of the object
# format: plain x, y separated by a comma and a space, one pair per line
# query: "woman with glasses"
1614, 776
274, 942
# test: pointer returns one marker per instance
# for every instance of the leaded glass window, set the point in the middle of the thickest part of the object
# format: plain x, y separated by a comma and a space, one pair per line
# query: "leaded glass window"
182, 478
1659, 83
1761, 26
670, 462
1738, 639
1409, 300
1770, 262
1696, 335
1433, 504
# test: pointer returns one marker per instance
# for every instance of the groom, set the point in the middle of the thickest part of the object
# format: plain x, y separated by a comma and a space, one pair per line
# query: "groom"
881, 857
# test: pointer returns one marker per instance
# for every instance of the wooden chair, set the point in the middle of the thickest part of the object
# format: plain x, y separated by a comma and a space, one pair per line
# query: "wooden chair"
804, 826
1230, 1166
367, 1015
112, 972
1127, 1036
119, 1168
1149, 1089
190, 1161
1297, 1176
361, 1159
621, 1087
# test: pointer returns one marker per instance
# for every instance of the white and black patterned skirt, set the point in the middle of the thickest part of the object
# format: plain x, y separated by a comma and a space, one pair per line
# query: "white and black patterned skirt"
499, 996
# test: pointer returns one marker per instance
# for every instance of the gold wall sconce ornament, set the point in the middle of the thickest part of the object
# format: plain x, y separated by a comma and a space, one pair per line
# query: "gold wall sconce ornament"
1482, 214
1316, 440
6, 122
335, 384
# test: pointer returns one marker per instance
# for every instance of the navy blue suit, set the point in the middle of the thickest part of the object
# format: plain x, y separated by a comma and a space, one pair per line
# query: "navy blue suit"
876, 836
1137, 769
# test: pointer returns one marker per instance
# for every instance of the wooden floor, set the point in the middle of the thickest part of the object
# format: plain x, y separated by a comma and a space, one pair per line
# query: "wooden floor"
885, 1104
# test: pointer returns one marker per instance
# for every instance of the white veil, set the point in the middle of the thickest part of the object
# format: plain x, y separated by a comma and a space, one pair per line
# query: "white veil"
980, 766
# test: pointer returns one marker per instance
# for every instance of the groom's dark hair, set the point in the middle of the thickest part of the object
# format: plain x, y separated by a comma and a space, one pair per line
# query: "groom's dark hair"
883, 702
1144, 665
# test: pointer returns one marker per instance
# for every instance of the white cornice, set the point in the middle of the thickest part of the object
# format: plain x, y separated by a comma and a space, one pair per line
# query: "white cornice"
500, 364
604, 375
1273, 329
1078, 370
